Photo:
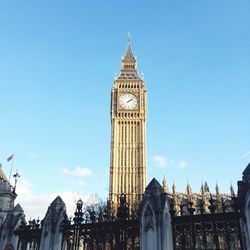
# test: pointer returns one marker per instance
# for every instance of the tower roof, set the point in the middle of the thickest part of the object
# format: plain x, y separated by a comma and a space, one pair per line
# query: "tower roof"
129, 65
129, 54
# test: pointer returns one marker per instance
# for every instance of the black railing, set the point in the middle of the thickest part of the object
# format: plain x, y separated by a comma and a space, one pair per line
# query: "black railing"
196, 224
216, 226
29, 235
98, 228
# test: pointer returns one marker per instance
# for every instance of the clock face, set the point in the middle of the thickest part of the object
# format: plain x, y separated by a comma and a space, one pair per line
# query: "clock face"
128, 101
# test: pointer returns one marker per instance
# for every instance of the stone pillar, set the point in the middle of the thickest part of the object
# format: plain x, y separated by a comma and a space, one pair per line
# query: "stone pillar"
155, 231
10, 223
244, 200
51, 238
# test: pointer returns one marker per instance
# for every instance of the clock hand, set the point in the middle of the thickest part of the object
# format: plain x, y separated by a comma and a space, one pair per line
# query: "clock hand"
130, 100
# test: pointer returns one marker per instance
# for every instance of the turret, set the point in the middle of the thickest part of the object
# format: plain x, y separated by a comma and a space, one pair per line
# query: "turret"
189, 189
217, 190
202, 190
174, 189
206, 187
164, 185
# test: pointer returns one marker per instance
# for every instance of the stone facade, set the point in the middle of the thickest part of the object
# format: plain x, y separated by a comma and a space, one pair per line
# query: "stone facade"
155, 230
51, 238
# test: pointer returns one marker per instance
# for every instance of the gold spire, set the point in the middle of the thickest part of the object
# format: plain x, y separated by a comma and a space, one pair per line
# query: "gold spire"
206, 187
164, 185
128, 60
129, 54
202, 190
174, 189
188, 188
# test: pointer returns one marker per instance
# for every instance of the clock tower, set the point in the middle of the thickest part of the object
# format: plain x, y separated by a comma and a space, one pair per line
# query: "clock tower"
128, 135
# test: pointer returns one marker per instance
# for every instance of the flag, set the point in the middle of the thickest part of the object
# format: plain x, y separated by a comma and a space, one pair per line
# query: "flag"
10, 157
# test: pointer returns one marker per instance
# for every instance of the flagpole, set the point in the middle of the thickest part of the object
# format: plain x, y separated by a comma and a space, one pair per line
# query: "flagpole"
12, 160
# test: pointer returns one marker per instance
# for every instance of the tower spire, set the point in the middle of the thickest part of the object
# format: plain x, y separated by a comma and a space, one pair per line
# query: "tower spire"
188, 189
174, 188
129, 38
202, 190
128, 60
217, 190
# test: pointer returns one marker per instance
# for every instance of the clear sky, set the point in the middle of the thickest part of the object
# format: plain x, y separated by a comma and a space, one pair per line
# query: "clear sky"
57, 65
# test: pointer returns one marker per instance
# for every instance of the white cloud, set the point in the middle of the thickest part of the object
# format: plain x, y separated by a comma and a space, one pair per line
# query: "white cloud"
78, 171
160, 160
246, 154
182, 164
36, 205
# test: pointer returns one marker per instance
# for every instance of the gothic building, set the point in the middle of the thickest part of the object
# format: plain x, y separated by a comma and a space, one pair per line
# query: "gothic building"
137, 216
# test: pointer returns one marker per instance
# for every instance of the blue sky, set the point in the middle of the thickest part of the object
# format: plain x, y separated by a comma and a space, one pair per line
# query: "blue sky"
57, 65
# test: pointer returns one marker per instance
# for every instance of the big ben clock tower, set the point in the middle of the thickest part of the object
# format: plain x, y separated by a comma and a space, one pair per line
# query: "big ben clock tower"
128, 138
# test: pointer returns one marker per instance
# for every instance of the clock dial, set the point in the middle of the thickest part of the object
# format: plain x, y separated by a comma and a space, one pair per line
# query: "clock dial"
128, 101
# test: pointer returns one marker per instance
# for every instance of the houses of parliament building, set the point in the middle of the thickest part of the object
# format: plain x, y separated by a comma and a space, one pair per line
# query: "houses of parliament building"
137, 215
